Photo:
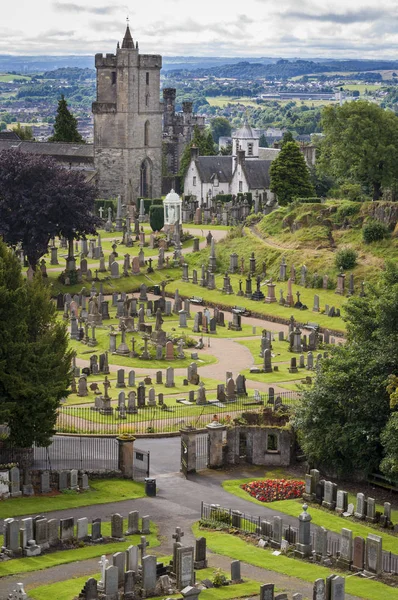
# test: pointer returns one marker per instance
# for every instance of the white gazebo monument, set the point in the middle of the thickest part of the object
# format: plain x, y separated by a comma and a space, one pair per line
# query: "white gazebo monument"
172, 206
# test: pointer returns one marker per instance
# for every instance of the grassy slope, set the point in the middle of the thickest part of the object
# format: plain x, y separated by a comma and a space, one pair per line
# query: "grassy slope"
101, 492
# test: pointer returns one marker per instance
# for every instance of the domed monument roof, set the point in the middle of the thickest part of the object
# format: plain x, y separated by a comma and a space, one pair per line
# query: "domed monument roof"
245, 132
172, 196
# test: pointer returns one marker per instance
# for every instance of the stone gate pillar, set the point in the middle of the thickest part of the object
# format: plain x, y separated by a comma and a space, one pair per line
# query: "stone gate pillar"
217, 443
126, 455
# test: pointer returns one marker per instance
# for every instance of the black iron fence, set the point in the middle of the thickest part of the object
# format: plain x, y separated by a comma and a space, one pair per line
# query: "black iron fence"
166, 417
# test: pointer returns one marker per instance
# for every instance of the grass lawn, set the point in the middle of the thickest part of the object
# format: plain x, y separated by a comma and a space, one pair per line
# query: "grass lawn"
276, 376
65, 590
223, 100
6, 78
38, 563
102, 336
321, 517
170, 394
274, 309
237, 549
279, 349
101, 491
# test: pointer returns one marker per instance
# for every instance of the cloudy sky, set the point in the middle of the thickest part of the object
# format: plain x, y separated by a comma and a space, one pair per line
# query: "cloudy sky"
303, 28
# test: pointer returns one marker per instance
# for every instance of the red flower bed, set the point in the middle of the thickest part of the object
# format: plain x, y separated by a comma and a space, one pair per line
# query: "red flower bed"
270, 490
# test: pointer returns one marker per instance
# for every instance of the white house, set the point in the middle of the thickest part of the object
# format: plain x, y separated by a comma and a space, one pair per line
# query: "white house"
242, 172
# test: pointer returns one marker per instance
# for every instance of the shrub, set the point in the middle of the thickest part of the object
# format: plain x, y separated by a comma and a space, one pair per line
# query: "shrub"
348, 209
346, 258
156, 217
308, 200
105, 205
224, 197
374, 231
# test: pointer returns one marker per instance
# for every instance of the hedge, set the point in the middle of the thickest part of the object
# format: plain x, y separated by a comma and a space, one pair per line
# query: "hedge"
105, 205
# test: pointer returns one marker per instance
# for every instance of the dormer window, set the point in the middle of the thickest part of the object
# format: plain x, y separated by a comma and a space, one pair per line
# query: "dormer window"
249, 149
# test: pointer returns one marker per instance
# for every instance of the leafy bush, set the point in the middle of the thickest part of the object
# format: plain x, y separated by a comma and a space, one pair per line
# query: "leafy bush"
224, 197
156, 217
157, 201
219, 579
374, 231
346, 258
348, 209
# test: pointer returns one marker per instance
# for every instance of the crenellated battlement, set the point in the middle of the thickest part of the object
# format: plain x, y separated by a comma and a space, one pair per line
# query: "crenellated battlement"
107, 60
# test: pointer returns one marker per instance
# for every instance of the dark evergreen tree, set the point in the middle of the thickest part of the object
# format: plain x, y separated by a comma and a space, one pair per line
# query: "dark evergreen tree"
220, 127
263, 141
203, 140
65, 126
34, 356
156, 217
290, 176
287, 137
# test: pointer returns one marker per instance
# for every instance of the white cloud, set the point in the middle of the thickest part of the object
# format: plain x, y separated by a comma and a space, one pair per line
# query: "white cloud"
223, 27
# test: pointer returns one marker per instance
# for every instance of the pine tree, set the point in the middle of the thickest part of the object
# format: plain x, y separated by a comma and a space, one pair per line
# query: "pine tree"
65, 126
290, 176
263, 141
34, 356
203, 140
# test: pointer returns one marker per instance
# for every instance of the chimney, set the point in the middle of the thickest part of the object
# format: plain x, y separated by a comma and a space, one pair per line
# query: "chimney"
194, 153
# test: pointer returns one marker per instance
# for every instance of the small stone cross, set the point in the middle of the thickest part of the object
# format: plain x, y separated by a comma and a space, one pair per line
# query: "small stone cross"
143, 546
101, 210
178, 534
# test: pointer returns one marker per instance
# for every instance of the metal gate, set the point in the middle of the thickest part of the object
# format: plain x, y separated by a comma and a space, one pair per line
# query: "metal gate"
184, 457
141, 461
202, 451
78, 452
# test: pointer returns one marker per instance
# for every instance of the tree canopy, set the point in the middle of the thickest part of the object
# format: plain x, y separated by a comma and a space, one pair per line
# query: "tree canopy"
345, 413
220, 126
290, 176
34, 357
23, 132
65, 125
203, 140
40, 200
360, 145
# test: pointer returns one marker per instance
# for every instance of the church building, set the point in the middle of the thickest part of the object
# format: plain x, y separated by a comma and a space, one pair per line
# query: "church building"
128, 123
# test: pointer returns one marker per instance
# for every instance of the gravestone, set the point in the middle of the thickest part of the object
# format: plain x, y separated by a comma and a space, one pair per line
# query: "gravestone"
66, 528
119, 561
184, 568
373, 562
132, 559
358, 562
117, 526
149, 574
267, 591
200, 553
111, 582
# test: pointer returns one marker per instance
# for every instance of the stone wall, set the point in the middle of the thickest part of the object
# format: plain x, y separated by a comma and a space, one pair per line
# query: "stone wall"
259, 444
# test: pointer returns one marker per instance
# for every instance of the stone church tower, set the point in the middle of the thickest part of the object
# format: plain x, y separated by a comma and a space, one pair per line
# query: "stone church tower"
128, 123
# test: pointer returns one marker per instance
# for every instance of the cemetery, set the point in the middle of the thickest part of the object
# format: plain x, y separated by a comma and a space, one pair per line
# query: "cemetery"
215, 339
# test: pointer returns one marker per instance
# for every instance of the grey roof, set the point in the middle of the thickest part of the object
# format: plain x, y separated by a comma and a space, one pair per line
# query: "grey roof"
268, 153
84, 152
257, 173
208, 166
245, 133
9, 135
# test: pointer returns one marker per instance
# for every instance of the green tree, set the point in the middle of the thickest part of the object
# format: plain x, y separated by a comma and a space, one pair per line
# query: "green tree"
203, 140
24, 132
341, 418
360, 145
34, 356
65, 126
156, 217
3, 125
290, 176
287, 137
226, 150
263, 141
220, 126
